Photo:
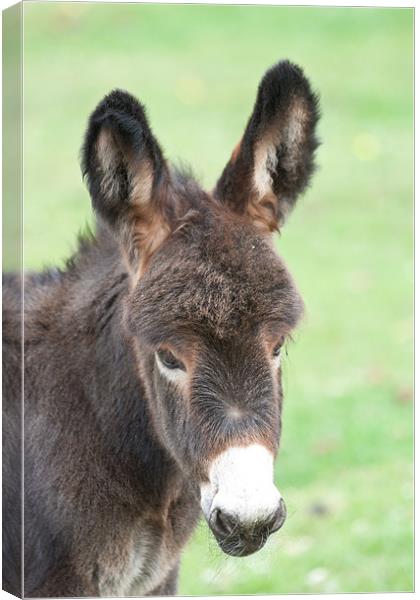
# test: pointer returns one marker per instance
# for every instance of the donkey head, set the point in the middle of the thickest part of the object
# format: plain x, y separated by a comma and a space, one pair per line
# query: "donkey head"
211, 303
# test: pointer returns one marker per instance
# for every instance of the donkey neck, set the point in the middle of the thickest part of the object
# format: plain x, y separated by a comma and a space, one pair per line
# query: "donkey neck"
97, 286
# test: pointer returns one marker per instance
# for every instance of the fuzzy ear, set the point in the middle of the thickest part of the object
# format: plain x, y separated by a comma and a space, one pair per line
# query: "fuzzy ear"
274, 161
127, 176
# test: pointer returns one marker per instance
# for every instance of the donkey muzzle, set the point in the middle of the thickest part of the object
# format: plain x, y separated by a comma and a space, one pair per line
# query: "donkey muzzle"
238, 538
240, 502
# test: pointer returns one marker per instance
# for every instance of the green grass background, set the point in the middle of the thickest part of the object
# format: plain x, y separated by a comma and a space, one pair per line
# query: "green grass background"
345, 466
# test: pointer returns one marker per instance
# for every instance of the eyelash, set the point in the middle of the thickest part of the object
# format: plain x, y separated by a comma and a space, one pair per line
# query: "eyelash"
277, 348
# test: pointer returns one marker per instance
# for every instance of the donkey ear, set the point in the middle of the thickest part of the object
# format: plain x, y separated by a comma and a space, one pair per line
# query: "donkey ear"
126, 175
274, 161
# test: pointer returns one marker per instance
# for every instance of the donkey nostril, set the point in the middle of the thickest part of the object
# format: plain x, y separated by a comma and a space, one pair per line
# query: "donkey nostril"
279, 517
222, 523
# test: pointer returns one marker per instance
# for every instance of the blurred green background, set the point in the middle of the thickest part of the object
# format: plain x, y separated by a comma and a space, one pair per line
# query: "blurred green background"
345, 466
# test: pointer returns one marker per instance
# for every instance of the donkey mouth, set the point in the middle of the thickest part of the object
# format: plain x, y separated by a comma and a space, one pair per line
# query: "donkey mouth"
241, 545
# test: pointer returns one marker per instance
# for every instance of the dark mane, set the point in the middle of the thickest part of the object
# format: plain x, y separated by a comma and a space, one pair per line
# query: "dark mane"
86, 241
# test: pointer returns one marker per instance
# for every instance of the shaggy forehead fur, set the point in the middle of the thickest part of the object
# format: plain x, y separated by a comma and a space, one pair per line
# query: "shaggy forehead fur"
218, 276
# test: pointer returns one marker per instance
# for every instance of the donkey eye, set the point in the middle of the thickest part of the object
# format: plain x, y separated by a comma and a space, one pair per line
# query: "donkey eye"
277, 347
169, 361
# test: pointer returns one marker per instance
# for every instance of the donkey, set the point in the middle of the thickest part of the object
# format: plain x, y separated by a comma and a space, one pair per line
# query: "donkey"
152, 385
